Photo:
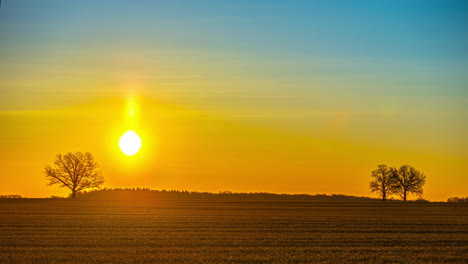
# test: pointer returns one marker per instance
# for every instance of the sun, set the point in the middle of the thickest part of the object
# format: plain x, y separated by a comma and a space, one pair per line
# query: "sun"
130, 143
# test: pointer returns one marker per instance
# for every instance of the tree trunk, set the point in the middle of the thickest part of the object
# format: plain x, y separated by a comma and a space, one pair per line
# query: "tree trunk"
404, 196
73, 194
384, 196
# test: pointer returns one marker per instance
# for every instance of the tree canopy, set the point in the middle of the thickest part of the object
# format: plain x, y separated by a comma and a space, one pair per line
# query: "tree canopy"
76, 171
400, 181
381, 181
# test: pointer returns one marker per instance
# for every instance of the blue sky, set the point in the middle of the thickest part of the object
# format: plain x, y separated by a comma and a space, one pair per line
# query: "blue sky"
376, 48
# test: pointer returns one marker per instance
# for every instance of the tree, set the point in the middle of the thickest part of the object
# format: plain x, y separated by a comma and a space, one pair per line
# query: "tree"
406, 180
381, 181
75, 171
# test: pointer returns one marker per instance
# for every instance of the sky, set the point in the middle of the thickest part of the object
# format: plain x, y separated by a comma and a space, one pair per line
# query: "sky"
251, 96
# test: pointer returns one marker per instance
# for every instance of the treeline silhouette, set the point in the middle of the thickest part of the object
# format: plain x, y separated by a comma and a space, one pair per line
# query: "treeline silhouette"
146, 193
457, 200
15, 196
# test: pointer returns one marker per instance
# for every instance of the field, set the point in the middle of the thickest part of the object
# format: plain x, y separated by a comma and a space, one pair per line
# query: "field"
67, 231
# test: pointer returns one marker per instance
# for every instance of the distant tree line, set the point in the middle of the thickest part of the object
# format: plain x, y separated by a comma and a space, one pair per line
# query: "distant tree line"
145, 193
457, 200
402, 181
11, 196
79, 172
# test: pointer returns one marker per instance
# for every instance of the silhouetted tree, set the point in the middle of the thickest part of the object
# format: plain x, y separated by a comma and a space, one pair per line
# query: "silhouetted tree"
382, 181
75, 171
407, 180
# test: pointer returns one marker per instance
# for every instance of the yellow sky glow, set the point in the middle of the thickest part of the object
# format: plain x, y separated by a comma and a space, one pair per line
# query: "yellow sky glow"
196, 150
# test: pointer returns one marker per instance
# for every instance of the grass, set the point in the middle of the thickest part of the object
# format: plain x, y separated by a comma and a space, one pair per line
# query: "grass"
67, 231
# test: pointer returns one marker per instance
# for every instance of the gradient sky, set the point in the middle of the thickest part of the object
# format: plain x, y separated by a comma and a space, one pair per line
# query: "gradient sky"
276, 96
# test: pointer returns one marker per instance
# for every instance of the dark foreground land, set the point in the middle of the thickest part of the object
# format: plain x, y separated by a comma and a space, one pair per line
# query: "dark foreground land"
67, 231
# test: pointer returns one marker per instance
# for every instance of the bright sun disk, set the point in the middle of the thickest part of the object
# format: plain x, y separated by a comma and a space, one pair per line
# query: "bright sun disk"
130, 143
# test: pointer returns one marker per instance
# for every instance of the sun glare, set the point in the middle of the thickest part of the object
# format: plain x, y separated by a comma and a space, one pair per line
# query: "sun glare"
130, 143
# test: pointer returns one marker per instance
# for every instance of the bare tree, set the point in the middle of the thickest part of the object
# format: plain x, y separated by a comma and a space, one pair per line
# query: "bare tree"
407, 180
381, 181
75, 171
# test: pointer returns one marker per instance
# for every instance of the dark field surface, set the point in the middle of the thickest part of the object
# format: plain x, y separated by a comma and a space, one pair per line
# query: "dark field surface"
66, 231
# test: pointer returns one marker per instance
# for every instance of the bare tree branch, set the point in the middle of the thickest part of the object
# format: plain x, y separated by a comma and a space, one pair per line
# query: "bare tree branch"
382, 181
407, 180
75, 171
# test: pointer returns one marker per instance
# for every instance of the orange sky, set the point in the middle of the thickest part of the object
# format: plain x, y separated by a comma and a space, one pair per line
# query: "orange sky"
189, 148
